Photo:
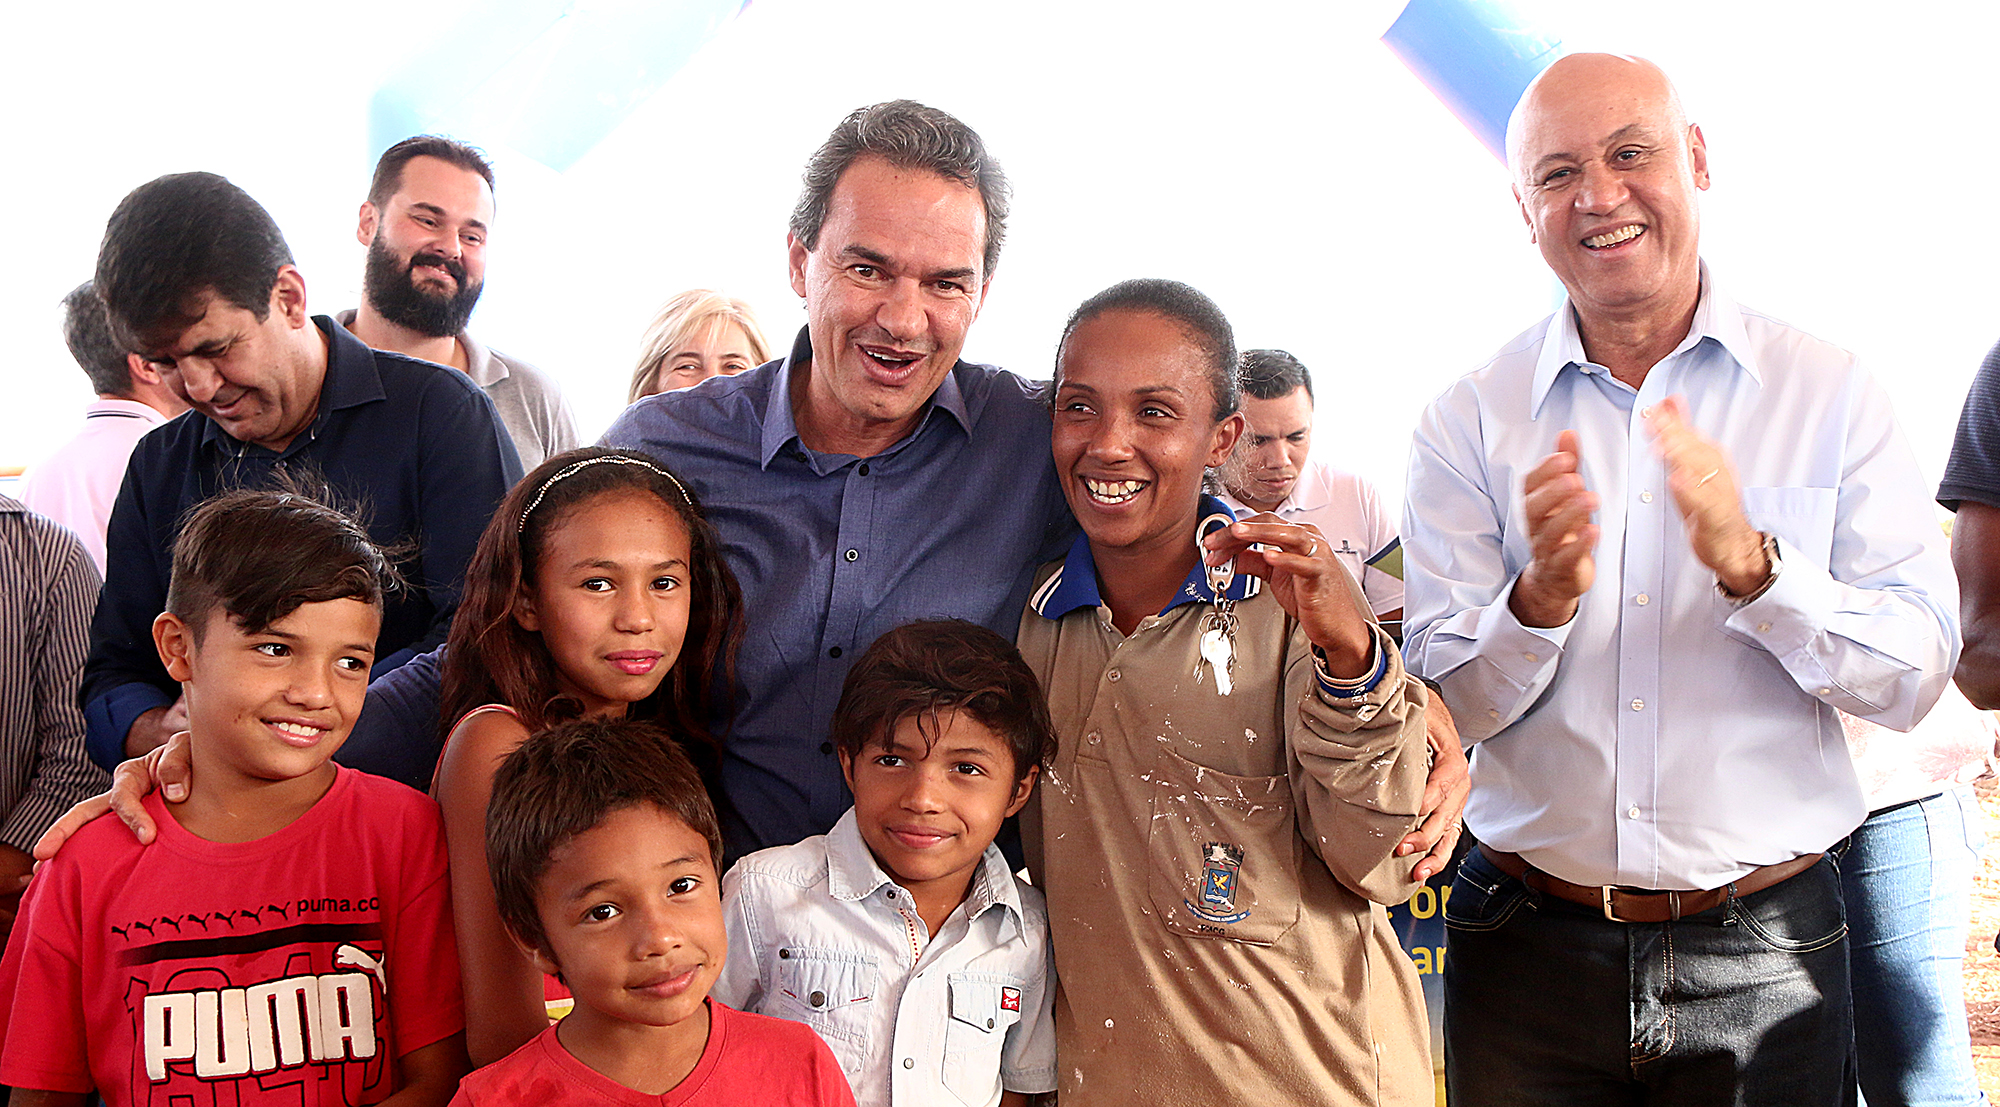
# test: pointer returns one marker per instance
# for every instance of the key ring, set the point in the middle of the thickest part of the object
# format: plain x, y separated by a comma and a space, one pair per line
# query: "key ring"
1220, 577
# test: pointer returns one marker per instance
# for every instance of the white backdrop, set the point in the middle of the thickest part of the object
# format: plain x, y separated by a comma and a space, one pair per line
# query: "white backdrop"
1275, 155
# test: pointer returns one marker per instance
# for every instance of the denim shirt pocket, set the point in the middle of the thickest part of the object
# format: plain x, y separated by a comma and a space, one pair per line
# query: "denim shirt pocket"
984, 1007
1224, 853
830, 991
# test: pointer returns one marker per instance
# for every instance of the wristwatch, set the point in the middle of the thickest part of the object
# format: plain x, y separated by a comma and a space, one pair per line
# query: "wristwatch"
1770, 554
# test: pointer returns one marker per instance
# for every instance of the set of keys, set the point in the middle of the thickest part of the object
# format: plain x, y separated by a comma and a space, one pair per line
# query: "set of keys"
1218, 627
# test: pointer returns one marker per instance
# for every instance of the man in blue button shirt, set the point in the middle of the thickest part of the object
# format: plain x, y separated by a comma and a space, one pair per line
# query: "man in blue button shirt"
869, 477
197, 278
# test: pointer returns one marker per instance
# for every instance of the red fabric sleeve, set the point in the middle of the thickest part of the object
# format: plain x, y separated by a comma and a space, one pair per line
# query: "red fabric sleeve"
829, 1082
42, 1041
426, 1004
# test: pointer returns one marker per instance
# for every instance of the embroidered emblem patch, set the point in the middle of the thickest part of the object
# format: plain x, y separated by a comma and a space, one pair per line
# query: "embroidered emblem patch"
1010, 999
1222, 866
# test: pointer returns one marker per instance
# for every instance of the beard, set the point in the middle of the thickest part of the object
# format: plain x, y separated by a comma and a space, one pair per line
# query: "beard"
393, 293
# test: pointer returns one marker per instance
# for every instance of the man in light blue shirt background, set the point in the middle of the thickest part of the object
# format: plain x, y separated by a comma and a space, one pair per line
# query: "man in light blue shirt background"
1653, 549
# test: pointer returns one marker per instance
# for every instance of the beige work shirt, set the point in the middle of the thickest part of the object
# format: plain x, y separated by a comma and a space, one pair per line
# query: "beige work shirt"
1209, 862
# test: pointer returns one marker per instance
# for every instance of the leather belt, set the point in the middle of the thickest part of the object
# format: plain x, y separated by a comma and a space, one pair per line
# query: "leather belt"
1643, 905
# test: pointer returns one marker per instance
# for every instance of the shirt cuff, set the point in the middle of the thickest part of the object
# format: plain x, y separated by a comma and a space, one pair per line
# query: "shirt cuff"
109, 718
1523, 654
1801, 615
1040, 1081
1343, 689
1791, 613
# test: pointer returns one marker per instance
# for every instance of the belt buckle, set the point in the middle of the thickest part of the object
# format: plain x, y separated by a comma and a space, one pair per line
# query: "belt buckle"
1606, 891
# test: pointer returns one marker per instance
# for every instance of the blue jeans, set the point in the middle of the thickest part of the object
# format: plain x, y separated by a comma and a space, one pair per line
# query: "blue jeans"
1548, 1002
1907, 876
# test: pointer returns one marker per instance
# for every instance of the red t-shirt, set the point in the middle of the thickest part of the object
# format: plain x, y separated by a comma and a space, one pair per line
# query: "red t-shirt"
749, 1059
204, 973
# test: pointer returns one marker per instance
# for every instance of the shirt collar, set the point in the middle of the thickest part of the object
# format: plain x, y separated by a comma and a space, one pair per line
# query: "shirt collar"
781, 427
1075, 584
480, 364
1716, 316
1309, 492
853, 874
351, 379
117, 405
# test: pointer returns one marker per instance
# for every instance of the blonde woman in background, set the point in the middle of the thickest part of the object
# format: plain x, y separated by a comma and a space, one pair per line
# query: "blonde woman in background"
698, 334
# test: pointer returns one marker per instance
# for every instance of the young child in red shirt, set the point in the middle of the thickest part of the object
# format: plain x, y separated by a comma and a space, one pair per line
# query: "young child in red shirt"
288, 938
603, 848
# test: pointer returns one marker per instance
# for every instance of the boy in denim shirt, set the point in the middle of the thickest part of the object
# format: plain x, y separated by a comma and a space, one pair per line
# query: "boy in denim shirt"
901, 936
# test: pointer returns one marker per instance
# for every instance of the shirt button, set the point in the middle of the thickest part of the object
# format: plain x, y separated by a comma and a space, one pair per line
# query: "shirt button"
909, 1062
864, 468
1113, 676
1638, 705
1095, 737
989, 1024
889, 894
1824, 692
1642, 599
1632, 812
1492, 712
1645, 497
1645, 413
1530, 657
834, 652
1763, 628
853, 555
826, 747
818, 999
784, 955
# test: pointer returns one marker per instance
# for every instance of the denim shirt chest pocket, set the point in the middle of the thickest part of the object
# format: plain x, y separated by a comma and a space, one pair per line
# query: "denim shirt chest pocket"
830, 991
983, 1007
1802, 516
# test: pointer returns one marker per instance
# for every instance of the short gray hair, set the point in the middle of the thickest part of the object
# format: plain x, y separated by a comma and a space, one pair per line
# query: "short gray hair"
87, 333
907, 135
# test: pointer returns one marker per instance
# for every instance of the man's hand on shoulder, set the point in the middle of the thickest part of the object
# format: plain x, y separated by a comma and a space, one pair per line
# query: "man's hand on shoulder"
166, 768
1561, 537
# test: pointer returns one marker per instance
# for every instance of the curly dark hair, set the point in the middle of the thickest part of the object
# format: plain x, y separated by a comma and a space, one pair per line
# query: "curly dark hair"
260, 554
924, 669
565, 780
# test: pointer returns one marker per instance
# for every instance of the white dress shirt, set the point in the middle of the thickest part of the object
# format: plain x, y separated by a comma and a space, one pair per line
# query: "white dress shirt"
819, 934
1666, 737
76, 484
1349, 512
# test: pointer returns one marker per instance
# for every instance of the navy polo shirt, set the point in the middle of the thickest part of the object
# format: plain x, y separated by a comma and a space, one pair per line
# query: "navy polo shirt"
414, 448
